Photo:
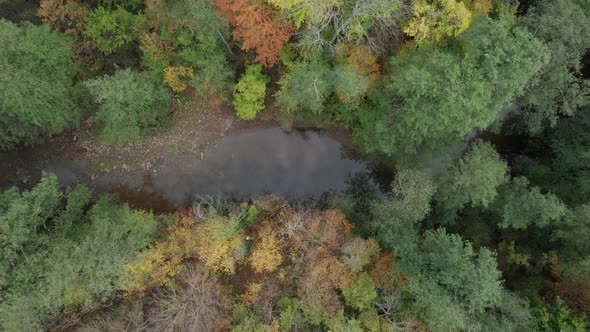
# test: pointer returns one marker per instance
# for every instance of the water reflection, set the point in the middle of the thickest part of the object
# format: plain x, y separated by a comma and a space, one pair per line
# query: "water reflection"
243, 166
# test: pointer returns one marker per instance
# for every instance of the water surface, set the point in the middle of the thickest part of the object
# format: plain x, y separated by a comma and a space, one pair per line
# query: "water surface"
296, 166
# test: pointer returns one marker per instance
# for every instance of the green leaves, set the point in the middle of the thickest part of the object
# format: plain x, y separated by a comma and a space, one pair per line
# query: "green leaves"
309, 86
360, 293
129, 102
56, 258
111, 29
450, 281
434, 97
559, 90
521, 206
36, 95
395, 221
249, 92
472, 181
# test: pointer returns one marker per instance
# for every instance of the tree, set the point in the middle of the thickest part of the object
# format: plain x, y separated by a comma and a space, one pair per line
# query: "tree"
309, 86
60, 253
258, 27
249, 92
111, 29
571, 241
360, 293
565, 174
521, 206
222, 243
559, 90
305, 87
266, 255
558, 317
36, 79
128, 102
450, 281
395, 220
434, 97
434, 20
473, 181
65, 15
324, 24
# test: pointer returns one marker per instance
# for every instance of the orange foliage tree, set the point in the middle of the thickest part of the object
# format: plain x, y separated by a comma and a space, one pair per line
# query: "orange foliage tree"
259, 27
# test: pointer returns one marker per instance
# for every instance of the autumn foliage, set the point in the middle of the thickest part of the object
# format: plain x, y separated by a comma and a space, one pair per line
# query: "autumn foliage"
177, 77
266, 255
163, 260
65, 15
259, 27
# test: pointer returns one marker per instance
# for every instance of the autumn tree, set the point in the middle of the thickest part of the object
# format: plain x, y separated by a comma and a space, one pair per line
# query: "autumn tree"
159, 264
434, 20
222, 244
324, 24
249, 92
36, 79
65, 15
362, 60
266, 255
259, 27
178, 77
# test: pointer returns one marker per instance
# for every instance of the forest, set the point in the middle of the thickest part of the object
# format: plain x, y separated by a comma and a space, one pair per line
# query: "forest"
472, 118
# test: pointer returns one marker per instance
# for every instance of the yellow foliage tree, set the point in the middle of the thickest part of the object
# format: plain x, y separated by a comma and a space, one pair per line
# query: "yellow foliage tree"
307, 11
434, 20
362, 61
221, 243
178, 77
162, 261
482, 6
266, 255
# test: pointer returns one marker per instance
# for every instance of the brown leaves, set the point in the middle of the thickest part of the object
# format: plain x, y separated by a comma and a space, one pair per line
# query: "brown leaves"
65, 15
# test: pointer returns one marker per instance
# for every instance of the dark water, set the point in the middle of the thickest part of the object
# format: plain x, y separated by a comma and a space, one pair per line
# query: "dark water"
296, 166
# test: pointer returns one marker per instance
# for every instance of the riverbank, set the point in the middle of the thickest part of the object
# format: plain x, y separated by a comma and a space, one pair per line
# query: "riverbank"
204, 153
191, 130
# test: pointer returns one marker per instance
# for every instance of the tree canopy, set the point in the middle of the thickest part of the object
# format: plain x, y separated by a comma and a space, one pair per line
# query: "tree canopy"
37, 98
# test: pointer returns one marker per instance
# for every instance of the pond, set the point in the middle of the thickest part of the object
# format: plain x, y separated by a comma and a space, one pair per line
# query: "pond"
296, 166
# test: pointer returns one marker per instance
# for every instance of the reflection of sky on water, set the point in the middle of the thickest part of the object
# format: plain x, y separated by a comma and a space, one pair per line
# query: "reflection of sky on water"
243, 165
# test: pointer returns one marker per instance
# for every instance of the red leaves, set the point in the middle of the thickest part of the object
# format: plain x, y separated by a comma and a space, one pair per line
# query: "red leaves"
259, 27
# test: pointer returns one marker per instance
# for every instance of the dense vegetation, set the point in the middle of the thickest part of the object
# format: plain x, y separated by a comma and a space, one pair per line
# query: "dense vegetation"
492, 240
